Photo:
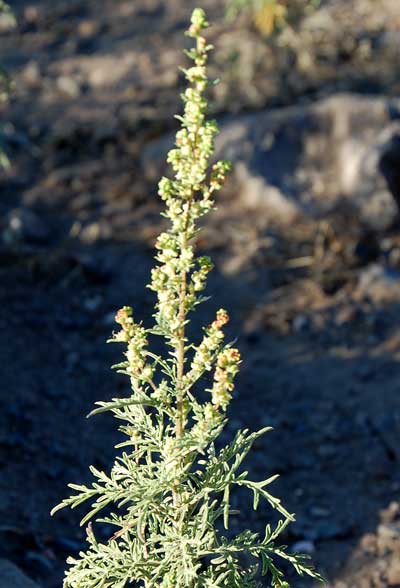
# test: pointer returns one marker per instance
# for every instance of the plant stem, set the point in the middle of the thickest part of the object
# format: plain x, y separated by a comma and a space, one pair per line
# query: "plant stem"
180, 352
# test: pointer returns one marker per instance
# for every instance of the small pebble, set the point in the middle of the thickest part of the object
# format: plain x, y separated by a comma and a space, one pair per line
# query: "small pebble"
68, 86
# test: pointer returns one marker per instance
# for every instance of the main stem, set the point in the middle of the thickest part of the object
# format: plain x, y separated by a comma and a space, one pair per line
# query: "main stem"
180, 349
180, 352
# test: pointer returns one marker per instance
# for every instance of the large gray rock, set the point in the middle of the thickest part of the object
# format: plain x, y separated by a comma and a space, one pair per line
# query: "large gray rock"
12, 577
310, 159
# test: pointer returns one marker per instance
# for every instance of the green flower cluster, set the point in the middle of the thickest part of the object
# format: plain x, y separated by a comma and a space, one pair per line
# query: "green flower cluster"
136, 338
205, 352
167, 497
189, 195
227, 368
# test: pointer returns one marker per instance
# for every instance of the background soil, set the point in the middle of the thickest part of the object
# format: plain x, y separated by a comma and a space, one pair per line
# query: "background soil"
315, 303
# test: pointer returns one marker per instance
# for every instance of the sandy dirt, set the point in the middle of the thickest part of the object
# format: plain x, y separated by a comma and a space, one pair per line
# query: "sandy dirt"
315, 305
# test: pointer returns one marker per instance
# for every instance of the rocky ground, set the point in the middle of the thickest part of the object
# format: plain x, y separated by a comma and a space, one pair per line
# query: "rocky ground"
305, 240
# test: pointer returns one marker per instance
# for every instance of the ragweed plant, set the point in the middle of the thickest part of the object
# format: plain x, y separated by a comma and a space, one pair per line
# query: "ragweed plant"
167, 497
